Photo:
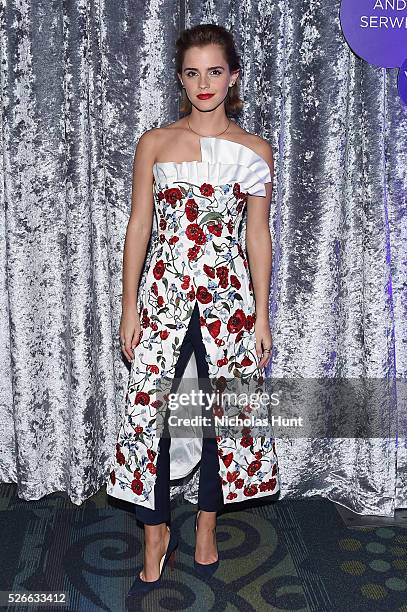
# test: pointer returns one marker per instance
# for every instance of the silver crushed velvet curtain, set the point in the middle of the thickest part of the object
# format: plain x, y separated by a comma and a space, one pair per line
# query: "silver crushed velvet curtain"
80, 82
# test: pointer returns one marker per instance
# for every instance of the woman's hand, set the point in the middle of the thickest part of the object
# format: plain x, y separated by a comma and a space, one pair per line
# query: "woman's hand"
263, 340
129, 331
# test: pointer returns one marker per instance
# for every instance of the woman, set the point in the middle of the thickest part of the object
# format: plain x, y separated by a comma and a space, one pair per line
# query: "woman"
198, 296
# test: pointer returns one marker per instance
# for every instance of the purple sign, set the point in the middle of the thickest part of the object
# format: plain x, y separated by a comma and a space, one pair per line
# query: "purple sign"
402, 82
376, 30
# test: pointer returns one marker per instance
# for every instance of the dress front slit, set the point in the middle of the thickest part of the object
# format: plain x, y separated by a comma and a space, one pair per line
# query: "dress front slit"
210, 496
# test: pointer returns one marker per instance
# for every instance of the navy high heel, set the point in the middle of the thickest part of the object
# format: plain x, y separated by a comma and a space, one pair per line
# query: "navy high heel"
141, 586
208, 569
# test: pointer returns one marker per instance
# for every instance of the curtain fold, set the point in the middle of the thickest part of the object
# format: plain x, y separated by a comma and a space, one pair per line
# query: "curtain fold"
80, 82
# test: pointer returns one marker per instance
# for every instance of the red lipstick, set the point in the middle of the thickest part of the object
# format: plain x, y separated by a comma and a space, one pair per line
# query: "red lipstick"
205, 96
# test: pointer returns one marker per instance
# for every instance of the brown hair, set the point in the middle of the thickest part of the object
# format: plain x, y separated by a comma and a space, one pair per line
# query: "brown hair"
206, 34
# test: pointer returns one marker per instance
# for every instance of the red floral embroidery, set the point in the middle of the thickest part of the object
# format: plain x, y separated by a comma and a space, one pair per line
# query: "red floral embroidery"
253, 467
151, 454
119, 456
145, 320
236, 321
193, 252
207, 190
235, 282
231, 495
195, 233
203, 295
269, 485
137, 486
237, 193
142, 398
151, 468
250, 490
214, 328
217, 411
249, 322
191, 210
215, 228
227, 459
231, 476
222, 273
185, 281
209, 271
159, 269
173, 195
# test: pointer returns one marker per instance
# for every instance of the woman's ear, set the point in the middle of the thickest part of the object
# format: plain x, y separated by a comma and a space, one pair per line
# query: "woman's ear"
235, 75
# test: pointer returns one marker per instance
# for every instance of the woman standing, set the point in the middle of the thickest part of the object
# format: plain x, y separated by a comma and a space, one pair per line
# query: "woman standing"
199, 175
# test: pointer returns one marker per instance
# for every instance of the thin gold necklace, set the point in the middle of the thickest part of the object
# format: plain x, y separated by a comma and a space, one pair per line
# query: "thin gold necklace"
209, 136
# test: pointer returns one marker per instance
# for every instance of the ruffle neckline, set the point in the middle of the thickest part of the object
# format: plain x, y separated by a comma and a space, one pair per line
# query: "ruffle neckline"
223, 161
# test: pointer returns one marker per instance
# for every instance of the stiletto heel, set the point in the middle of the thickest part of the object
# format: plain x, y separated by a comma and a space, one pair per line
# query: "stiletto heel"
208, 569
140, 586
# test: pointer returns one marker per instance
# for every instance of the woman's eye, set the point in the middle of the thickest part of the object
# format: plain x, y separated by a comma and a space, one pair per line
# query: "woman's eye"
191, 74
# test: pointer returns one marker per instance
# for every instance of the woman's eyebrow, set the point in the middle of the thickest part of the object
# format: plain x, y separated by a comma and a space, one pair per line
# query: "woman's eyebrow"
210, 68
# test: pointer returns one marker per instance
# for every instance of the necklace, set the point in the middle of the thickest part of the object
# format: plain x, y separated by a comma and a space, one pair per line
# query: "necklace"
209, 136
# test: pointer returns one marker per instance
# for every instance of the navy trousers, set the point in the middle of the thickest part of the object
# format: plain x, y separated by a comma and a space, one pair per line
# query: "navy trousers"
210, 497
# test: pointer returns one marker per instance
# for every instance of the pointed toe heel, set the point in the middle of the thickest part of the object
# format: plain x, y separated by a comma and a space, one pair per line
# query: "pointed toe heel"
141, 586
206, 571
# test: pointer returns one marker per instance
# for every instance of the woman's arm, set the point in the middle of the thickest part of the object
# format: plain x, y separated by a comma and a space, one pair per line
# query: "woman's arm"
137, 237
259, 251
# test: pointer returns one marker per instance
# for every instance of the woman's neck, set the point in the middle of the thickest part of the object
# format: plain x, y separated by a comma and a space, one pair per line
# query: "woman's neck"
211, 122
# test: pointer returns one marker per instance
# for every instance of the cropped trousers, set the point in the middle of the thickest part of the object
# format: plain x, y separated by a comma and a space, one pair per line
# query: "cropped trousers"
210, 497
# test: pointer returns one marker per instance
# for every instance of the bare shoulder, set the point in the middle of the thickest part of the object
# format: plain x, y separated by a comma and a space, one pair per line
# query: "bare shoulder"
146, 144
150, 138
154, 139
153, 134
149, 143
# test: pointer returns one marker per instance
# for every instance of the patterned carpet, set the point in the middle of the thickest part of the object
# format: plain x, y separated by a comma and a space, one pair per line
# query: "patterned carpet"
285, 555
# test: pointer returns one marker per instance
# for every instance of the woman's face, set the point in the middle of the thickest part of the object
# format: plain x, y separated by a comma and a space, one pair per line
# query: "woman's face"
205, 71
